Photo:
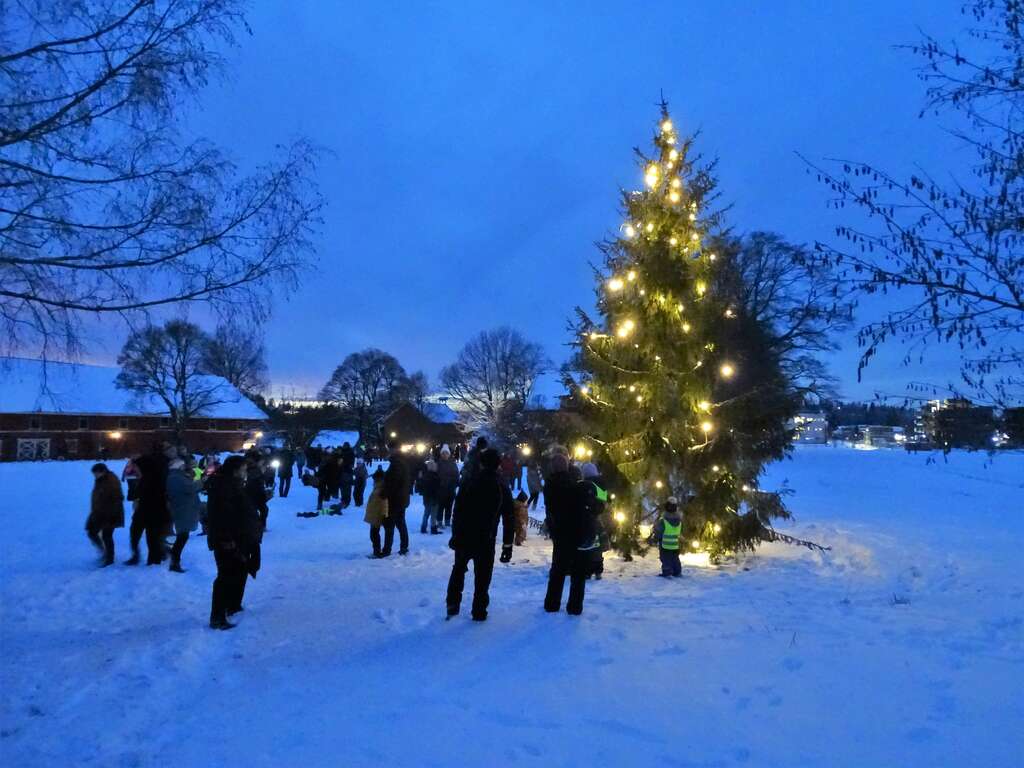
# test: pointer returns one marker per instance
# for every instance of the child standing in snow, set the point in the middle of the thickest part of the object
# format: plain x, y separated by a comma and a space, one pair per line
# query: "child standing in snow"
522, 517
667, 532
376, 510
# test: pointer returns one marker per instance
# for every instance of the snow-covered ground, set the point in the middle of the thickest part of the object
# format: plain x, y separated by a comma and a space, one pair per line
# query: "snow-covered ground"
902, 647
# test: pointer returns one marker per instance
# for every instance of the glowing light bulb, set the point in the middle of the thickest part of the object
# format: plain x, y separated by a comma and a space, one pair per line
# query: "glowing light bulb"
727, 370
615, 284
666, 126
585, 390
712, 257
746, 488
632, 387
626, 328
695, 544
686, 327
620, 517
701, 287
693, 217
704, 405
680, 307
717, 528
674, 196
695, 237
729, 313
673, 155
629, 231
651, 177
676, 183
673, 241
707, 426
631, 275
659, 484
716, 468
639, 398
580, 451
650, 226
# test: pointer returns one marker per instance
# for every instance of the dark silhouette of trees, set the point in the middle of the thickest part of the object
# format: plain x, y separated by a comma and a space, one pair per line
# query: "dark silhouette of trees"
104, 208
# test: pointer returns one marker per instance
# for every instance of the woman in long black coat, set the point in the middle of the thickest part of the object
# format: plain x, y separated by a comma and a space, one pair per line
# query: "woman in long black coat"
234, 531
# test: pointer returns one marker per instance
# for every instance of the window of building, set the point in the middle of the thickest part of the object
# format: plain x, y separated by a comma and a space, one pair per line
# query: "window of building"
122, 423
165, 422
83, 422
72, 446
35, 423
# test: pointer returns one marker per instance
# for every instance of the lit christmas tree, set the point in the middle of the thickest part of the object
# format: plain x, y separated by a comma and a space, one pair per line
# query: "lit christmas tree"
681, 392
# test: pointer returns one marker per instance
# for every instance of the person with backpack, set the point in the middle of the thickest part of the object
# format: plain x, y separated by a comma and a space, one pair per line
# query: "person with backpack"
482, 502
106, 512
667, 532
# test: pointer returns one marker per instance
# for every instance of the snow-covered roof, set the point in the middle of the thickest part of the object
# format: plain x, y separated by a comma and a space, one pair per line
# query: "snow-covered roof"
439, 413
30, 386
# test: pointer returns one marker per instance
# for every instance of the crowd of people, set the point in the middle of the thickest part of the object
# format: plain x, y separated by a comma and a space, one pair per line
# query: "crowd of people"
166, 489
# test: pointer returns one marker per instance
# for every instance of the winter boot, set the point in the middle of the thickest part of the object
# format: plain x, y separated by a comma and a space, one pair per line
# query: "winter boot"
176, 566
133, 560
221, 623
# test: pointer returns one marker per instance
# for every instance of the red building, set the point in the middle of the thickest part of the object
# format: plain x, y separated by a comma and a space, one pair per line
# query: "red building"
76, 412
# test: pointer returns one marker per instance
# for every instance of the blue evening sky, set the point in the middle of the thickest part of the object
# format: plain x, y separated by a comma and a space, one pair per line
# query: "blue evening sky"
477, 148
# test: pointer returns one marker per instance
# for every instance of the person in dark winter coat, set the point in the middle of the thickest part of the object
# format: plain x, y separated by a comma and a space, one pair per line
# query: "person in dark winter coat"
429, 487
667, 532
234, 533
327, 479
359, 487
346, 474
256, 488
481, 503
285, 472
471, 466
571, 527
448, 485
533, 484
300, 460
183, 501
397, 488
151, 515
106, 512
597, 500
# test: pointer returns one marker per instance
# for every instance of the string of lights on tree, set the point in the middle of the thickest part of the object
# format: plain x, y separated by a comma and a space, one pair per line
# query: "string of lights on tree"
662, 388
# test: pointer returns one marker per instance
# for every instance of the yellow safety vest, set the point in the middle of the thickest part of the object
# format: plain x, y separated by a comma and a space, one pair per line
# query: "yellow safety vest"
670, 536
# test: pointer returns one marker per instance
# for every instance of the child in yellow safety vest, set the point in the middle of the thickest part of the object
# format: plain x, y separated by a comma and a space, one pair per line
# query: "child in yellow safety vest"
667, 532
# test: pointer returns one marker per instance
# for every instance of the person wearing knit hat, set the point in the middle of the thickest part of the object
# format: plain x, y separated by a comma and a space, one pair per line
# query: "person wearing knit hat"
570, 525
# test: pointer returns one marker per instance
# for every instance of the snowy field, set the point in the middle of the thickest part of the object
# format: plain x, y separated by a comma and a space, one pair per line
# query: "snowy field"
902, 647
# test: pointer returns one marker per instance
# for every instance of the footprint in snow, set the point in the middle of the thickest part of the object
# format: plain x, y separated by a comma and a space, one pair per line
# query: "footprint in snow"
792, 664
671, 650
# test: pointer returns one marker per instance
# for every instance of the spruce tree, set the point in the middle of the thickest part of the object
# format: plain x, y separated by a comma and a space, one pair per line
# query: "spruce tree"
681, 393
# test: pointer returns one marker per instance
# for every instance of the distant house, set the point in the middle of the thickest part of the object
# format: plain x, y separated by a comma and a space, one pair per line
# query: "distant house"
76, 412
810, 427
435, 424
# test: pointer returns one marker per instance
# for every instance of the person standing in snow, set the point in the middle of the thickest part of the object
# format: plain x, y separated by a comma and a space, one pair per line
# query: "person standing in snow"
285, 472
346, 474
130, 474
472, 463
397, 487
597, 500
106, 512
533, 484
448, 484
429, 486
482, 502
568, 525
376, 511
667, 532
256, 487
359, 487
300, 461
234, 533
151, 516
183, 500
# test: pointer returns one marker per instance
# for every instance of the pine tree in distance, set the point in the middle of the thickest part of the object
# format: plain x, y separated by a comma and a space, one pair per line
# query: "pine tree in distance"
679, 391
